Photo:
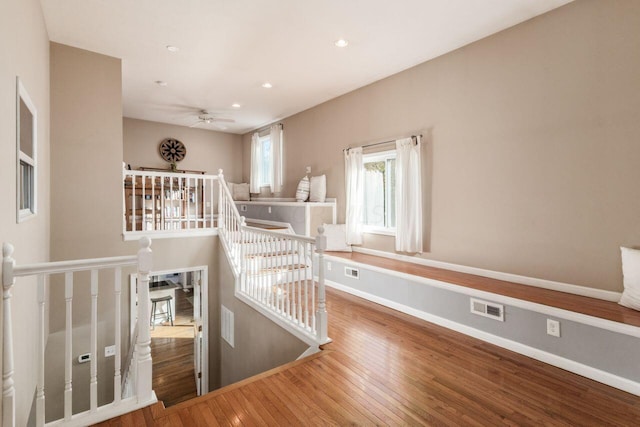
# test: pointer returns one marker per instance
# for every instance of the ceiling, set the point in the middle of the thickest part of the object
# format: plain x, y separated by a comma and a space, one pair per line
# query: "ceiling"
229, 48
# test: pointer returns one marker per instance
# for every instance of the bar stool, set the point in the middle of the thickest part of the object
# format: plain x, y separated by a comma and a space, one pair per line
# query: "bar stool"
167, 313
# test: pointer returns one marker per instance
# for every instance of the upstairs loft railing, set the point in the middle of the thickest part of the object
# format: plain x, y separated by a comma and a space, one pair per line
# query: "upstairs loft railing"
141, 394
277, 271
157, 203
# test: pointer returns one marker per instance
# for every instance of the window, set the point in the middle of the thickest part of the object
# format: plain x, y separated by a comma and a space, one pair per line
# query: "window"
379, 213
26, 165
266, 161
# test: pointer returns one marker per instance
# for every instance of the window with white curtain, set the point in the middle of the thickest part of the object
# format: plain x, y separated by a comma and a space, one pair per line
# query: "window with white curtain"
379, 210
266, 160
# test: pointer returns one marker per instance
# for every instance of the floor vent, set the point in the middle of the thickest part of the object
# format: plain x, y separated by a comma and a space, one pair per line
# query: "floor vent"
487, 309
354, 273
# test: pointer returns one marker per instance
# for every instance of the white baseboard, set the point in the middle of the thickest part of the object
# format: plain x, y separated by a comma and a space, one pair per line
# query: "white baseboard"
543, 356
308, 352
508, 277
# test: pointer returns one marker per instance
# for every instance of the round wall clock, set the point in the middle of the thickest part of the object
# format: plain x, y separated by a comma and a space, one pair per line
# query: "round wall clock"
172, 150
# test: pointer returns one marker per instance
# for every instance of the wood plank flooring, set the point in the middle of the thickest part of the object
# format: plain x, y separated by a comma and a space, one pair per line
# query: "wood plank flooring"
172, 355
387, 368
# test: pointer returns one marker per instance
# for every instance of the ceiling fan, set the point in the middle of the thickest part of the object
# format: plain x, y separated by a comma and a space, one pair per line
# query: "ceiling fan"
206, 117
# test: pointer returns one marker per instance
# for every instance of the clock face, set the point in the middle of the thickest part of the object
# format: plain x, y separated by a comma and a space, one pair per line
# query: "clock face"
172, 150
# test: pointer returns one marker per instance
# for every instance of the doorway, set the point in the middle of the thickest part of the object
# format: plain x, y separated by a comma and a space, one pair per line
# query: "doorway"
179, 347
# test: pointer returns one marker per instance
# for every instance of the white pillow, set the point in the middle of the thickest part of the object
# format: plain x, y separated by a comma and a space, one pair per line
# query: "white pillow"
231, 185
336, 237
241, 192
302, 193
631, 278
318, 189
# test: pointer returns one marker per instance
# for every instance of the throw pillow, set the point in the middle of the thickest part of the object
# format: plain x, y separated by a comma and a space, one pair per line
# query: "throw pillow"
241, 192
318, 189
231, 185
336, 237
302, 193
631, 278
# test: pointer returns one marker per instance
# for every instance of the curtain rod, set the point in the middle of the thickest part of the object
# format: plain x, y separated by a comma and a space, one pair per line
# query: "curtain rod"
267, 127
379, 143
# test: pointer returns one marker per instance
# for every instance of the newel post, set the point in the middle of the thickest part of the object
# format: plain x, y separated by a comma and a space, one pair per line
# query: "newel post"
8, 389
321, 313
143, 345
220, 199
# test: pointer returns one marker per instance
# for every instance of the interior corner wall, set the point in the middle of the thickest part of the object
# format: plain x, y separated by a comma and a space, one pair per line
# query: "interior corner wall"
259, 343
531, 144
207, 150
25, 54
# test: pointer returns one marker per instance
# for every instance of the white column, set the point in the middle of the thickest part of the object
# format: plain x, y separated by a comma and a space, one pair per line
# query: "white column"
41, 342
8, 390
143, 345
117, 377
93, 365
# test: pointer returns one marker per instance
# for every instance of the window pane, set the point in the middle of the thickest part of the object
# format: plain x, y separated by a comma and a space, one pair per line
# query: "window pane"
267, 160
26, 185
26, 129
374, 194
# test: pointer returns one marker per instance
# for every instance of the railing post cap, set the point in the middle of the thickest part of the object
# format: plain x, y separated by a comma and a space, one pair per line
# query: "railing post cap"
145, 242
242, 220
219, 171
7, 250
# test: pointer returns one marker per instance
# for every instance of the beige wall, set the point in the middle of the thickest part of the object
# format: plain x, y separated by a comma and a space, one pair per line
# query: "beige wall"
87, 138
259, 343
531, 144
206, 150
24, 53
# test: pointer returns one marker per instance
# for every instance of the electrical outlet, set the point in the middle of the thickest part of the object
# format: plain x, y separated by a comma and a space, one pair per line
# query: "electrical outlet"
110, 351
243, 208
84, 358
553, 328
269, 209
328, 265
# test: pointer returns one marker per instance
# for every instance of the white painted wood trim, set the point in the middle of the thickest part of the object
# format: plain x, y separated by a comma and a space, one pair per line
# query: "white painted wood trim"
169, 234
597, 322
308, 352
267, 202
104, 412
522, 280
543, 356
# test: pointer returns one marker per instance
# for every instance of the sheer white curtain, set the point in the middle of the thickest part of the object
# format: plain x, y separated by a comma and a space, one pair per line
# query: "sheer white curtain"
408, 196
354, 177
256, 163
276, 153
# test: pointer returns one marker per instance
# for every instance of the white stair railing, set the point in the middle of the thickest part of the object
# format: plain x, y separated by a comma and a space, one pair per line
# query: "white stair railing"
168, 203
143, 396
277, 270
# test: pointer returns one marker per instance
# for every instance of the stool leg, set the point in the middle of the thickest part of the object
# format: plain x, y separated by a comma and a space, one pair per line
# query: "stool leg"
153, 316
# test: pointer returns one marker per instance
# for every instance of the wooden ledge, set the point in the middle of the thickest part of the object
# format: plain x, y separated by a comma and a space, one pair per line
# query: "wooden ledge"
576, 303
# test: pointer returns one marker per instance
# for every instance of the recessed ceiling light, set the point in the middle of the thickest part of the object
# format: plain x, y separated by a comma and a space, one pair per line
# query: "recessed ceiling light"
172, 48
267, 85
236, 105
161, 83
341, 43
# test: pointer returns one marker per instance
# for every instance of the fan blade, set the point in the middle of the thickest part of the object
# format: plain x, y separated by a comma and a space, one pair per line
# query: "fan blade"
196, 123
215, 119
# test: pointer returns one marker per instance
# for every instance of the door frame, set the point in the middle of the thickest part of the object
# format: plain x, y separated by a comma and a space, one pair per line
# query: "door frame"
204, 301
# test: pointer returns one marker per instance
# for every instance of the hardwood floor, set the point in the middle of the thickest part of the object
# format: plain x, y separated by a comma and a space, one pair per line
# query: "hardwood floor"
172, 355
387, 368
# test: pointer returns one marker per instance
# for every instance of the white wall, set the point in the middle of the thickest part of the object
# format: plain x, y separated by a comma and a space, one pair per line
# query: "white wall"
24, 53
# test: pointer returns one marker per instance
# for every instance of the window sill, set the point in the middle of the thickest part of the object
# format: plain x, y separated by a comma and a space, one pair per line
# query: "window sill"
25, 215
381, 231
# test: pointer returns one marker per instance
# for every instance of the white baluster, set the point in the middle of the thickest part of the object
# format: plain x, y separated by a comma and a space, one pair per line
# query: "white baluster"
41, 342
187, 191
117, 378
133, 202
313, 289
212, 225
93, 368
306, 286
220, 199
299, 284
143, 345
321, 315
243, 255
163, 204
8, 389
68, 346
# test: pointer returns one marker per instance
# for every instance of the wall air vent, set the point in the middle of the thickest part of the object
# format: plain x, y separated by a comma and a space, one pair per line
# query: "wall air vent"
487, 309
354, 273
